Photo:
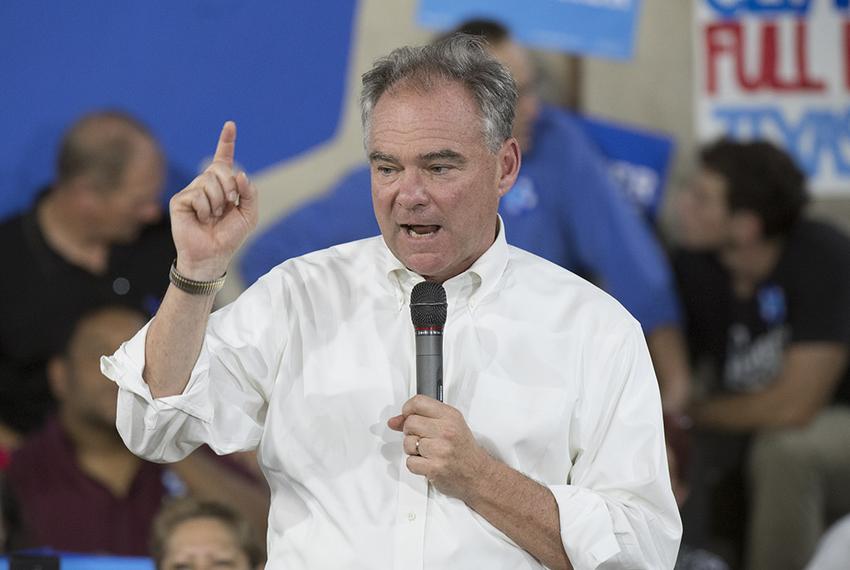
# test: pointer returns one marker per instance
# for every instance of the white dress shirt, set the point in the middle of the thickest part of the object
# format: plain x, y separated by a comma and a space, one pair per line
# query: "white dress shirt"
552, 375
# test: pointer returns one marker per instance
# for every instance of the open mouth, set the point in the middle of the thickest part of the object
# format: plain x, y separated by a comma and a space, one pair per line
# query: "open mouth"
420, 231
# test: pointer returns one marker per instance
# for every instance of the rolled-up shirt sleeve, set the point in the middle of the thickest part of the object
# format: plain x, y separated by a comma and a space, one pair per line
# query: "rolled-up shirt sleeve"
225, 400
617, 508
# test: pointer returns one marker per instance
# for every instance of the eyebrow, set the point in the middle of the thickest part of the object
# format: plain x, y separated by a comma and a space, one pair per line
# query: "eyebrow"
380, 156
444, 154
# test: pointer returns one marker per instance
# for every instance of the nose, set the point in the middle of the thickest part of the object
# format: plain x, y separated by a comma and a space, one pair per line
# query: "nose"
412, 192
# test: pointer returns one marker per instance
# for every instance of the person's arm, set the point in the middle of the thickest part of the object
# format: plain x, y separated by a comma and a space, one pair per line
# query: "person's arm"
184, 380
669, 358
809, 375
615, 505
210, 219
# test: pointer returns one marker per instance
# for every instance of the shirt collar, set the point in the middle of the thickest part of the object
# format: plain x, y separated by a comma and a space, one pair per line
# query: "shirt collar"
470, 286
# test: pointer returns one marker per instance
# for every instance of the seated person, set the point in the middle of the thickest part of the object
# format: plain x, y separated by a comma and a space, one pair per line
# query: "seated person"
201, 535
96, 236
767, 300
563, 207
76, 485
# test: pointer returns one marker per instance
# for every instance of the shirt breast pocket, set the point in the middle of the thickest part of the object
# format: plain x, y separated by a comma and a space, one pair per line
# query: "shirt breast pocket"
518, 423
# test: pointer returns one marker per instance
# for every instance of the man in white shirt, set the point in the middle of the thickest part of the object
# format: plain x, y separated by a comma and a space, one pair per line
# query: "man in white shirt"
548, 450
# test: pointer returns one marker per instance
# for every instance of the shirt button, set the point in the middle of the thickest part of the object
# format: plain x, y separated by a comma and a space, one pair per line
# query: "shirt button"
411, 516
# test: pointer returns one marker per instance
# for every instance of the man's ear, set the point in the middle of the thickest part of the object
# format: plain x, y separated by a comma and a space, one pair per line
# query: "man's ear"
57, 377
510, 159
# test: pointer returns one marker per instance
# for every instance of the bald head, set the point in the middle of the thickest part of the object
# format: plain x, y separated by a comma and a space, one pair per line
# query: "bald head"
110, 177
101, 145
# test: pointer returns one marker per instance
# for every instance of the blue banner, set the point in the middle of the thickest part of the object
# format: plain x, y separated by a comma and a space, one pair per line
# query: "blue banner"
638, 160
73, 561
603, 28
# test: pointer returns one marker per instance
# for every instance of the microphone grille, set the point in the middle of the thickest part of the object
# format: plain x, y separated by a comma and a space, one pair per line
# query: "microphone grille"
428, 305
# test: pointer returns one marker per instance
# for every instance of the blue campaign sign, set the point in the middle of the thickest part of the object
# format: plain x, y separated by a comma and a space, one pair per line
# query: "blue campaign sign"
603, 28
637, 159
277, 67
72, 561
769, 8
765, 7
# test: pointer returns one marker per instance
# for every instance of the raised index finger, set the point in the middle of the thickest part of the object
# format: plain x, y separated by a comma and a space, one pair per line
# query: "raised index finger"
226, 144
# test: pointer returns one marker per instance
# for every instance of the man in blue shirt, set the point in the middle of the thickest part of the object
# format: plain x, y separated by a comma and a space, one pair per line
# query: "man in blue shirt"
564, 207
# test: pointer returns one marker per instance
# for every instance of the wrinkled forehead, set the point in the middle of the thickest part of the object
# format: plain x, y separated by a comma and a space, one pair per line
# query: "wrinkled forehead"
444, 105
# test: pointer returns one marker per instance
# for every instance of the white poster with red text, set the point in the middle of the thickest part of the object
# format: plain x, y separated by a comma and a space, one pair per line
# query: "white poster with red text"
778, 69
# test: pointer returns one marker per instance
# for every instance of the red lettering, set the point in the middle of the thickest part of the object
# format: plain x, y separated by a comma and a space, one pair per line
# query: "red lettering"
769, 59
726, 39
806, 83
722, 38
770, 78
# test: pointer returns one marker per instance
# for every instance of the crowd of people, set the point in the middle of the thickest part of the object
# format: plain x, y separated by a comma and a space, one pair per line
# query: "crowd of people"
87, 256
745, 323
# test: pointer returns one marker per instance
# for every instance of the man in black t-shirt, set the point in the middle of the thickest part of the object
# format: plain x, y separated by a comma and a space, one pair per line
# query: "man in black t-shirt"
767, 303
95, 237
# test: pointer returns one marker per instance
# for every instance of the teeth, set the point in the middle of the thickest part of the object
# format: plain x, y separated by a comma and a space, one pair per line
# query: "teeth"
413, 234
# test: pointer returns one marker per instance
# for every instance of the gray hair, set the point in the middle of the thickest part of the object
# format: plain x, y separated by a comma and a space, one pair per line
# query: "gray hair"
460, 58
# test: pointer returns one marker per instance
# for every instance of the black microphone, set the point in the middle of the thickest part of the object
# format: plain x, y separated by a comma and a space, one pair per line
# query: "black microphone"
428, 309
